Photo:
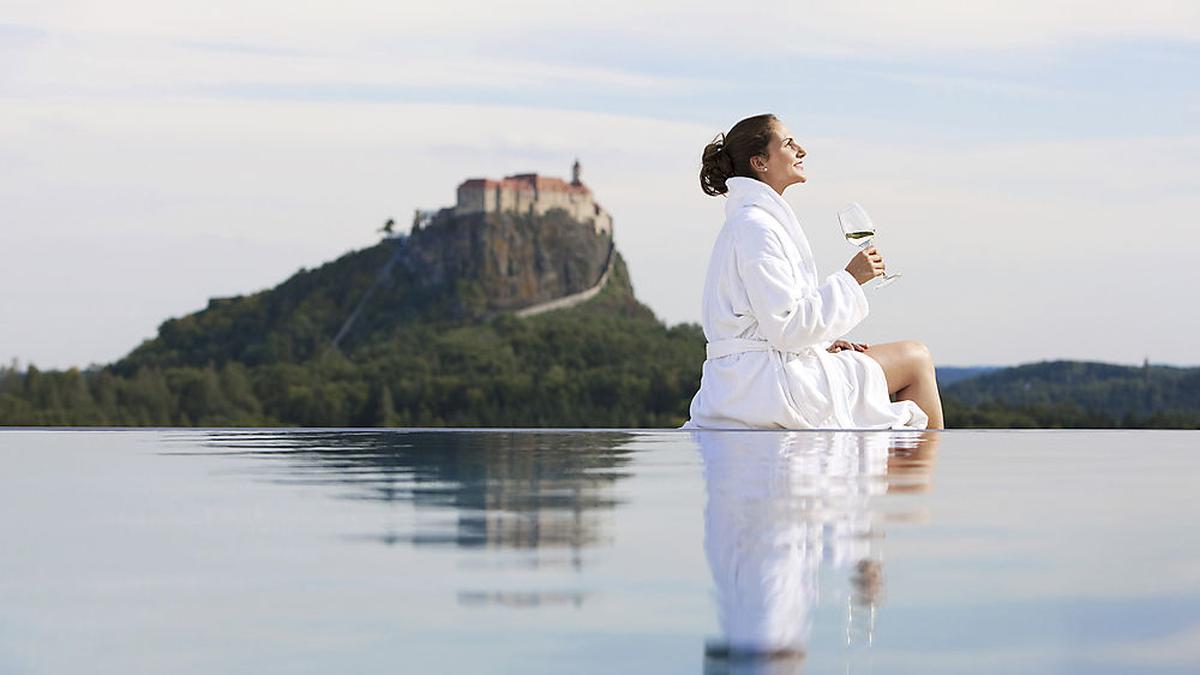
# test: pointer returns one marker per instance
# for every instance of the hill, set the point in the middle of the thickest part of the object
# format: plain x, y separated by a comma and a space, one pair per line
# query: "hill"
420, 330
948, 375
457, 269
1077, 394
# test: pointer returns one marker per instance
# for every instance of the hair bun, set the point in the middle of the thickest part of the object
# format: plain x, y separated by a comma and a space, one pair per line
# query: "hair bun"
729, 154
716, 167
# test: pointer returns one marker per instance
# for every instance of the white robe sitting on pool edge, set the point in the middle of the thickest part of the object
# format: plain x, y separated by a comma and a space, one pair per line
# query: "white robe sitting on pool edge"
769, 324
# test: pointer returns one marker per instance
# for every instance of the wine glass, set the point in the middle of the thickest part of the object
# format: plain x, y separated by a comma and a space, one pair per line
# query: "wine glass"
860, 232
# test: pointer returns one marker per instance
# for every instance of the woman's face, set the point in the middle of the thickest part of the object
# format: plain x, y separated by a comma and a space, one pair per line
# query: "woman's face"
783, 164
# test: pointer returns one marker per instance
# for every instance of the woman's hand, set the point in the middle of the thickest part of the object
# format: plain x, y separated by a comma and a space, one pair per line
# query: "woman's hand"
839, 345
865, 265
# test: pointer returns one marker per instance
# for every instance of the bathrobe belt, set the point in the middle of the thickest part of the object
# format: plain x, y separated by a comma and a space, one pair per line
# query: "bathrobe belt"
716, 350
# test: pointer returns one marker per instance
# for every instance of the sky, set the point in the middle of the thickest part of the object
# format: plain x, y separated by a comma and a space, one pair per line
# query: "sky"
1033, 168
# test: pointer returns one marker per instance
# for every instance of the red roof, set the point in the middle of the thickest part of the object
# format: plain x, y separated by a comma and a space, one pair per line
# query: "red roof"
527, 181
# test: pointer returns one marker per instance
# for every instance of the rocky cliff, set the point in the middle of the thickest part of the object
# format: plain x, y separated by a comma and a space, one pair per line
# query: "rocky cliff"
517, 259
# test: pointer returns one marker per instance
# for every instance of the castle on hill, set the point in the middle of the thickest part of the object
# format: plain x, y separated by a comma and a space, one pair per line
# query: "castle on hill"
535, 195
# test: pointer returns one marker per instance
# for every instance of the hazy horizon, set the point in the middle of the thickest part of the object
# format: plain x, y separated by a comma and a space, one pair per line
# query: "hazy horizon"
1032, 167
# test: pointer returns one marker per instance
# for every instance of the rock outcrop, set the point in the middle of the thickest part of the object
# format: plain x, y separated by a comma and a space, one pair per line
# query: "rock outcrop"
518, 260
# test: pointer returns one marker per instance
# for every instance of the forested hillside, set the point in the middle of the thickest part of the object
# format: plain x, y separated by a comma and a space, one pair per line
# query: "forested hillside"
266, 360
1077, 394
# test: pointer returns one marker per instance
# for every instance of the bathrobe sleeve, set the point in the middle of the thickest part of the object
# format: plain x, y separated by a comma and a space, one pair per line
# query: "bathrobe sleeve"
792, 314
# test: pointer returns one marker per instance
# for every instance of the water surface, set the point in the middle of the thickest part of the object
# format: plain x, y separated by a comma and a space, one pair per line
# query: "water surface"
532, 551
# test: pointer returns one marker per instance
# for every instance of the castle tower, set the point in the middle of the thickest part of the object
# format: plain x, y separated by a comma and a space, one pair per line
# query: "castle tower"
575, 172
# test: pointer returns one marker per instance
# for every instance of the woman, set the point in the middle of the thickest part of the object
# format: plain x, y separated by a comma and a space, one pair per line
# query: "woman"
776, 357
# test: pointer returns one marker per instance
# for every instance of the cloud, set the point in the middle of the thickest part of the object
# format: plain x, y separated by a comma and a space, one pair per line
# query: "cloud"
141, 65
974, 85
845, 28
1181, 648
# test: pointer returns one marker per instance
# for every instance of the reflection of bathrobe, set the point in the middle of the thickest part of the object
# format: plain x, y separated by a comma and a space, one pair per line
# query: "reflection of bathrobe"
779, 505
768, 324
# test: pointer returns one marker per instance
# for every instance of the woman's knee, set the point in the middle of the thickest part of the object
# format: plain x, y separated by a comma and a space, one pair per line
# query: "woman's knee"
918, 355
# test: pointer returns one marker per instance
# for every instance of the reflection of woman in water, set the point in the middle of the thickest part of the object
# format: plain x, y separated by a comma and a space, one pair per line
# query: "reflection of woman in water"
775, 353
780, 504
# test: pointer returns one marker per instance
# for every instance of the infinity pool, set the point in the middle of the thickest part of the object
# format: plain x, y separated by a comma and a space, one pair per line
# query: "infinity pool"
534, 551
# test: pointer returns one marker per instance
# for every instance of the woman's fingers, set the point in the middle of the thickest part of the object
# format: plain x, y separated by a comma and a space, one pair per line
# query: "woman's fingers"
839, 345
877, 264
865, 265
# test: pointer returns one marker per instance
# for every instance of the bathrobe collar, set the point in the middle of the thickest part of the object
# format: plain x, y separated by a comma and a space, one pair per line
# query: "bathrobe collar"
746, 192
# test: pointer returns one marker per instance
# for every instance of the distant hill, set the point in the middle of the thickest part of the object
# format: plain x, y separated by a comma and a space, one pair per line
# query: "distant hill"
948, 375
1077, 394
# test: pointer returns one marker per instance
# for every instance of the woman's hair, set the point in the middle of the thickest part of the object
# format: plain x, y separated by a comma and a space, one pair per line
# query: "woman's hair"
729, 154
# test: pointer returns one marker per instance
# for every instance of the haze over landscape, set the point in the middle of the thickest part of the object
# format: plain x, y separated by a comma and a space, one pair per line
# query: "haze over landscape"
1033, 167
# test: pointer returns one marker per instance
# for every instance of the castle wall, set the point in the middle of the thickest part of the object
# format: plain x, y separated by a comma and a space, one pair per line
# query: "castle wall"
603, 222
525, 200
580, 205
506, 200
521, 194
471, 199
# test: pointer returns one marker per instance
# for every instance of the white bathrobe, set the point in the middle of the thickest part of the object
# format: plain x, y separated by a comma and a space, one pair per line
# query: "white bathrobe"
769, 323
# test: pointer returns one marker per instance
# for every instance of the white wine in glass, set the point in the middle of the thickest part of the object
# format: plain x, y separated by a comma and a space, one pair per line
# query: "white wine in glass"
860, 231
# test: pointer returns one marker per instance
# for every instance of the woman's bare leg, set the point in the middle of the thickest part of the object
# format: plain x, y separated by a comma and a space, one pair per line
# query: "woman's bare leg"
908, 367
